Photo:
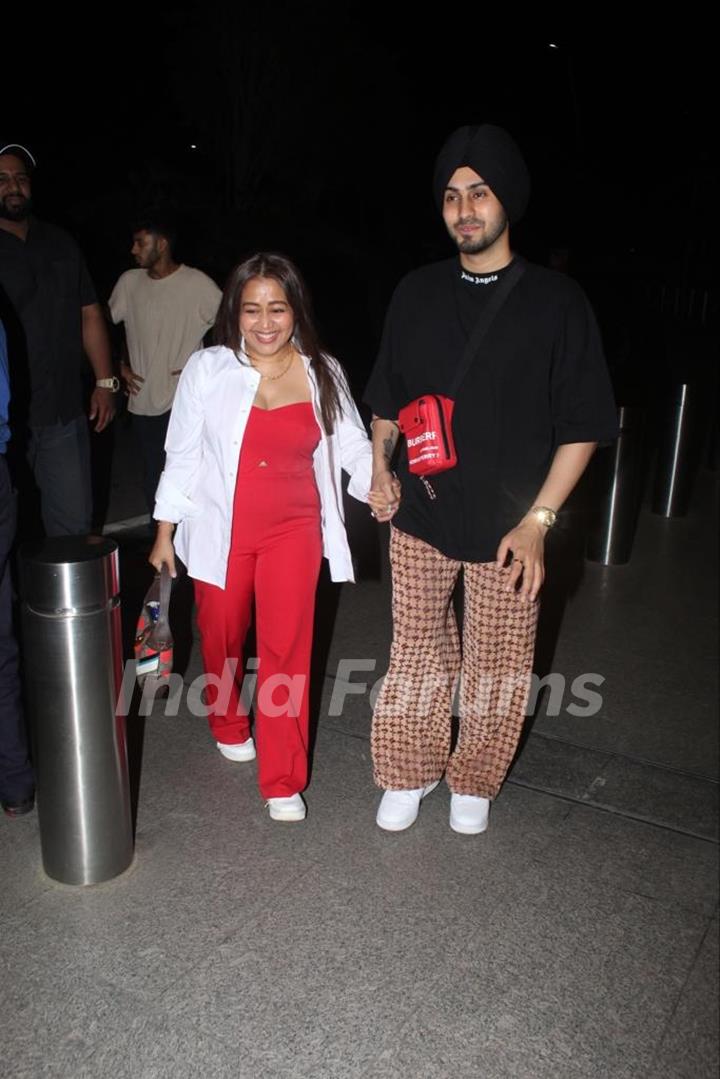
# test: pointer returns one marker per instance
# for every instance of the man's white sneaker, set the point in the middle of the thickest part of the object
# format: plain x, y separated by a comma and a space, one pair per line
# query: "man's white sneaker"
468, 813
291, 808
245, 751
399, 809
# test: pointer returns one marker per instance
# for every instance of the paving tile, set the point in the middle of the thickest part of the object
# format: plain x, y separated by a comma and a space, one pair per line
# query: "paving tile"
555, 982
320, 981
183, 895
637, 858
556, 766
673, 799
23, 876
52, 1025
689, 1049
156, 1046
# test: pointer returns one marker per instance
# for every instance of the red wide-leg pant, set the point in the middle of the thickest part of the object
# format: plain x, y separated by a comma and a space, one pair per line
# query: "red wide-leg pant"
274, 560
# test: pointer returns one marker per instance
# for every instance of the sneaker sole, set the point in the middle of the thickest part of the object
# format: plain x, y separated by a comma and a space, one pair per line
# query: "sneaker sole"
229, 756
293, 815
392, 826
468, 829
13, 814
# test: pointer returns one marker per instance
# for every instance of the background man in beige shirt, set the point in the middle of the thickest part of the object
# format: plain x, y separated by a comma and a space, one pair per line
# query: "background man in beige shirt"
166, 309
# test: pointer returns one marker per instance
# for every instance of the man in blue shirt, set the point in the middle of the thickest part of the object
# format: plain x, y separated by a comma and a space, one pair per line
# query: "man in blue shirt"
17, 785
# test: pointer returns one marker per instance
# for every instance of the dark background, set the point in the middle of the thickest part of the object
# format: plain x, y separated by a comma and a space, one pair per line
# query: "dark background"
312, 129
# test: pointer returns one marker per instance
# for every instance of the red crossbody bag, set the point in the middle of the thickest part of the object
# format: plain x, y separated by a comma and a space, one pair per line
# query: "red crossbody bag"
427, 425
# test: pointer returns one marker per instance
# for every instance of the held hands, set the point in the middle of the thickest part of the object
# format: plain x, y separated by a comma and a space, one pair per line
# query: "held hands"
384, 496
163, 551
526, 544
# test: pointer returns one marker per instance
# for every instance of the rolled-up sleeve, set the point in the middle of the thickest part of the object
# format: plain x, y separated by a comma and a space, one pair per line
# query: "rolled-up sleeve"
353, 442
183, 447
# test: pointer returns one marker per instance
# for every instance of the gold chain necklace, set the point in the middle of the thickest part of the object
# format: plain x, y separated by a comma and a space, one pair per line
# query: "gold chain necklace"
272, 378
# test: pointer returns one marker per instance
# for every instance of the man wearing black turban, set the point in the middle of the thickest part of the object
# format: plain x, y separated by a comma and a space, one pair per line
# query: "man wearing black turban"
533, 401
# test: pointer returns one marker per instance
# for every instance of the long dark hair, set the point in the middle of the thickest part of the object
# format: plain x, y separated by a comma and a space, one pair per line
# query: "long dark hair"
286, 273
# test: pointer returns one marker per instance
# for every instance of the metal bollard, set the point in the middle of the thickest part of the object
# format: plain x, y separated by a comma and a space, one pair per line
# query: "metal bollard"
619, 471
680, 450
73, 670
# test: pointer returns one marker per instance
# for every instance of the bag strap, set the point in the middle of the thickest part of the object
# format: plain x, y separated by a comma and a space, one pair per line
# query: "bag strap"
481, 327
165, 587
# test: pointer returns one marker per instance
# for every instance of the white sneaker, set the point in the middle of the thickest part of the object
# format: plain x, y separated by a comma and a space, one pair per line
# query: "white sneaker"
245, 751
292, 808
399, 809
469, 813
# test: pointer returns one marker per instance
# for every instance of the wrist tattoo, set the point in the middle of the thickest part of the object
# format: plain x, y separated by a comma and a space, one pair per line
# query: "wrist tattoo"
389, 446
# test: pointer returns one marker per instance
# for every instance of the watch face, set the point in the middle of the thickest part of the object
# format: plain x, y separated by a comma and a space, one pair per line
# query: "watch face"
546, 516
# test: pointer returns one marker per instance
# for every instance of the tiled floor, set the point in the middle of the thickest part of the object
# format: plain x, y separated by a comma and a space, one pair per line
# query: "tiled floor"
577, 938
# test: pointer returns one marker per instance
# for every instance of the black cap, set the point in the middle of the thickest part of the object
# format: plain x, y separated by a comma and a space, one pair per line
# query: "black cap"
19, 151
494, 155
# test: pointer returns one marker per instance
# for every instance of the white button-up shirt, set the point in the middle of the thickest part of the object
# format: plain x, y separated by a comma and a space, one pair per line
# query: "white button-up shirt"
197, 488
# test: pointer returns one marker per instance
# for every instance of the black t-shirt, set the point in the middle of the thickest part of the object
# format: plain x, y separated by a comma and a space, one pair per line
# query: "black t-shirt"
46, 283
539, 380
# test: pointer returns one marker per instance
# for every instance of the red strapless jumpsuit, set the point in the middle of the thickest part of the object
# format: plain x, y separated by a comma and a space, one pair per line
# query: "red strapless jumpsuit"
275, 555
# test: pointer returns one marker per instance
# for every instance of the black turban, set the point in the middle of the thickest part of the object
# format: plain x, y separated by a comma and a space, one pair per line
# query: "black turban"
495, 156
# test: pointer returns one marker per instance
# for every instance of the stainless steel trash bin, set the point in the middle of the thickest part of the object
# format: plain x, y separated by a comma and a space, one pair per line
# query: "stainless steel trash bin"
619, 472
72, 655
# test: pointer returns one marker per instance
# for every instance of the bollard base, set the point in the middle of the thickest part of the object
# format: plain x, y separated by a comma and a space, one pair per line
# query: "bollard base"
74, 884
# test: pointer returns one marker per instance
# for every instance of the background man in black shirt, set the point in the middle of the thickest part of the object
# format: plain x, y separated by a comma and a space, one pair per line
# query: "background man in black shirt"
57, 319
528, 415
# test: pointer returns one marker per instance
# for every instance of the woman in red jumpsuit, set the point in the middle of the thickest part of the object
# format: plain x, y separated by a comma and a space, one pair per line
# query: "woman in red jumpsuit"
261, 426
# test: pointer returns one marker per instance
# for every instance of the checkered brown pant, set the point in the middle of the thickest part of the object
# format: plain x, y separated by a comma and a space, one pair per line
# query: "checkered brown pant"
411, 724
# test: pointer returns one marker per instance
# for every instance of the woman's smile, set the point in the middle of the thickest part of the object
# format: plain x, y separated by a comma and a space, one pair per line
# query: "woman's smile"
267, 320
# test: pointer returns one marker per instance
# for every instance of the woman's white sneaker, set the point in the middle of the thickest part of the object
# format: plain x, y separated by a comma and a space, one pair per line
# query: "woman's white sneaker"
245, 751
399, 809
469, 814
291, 808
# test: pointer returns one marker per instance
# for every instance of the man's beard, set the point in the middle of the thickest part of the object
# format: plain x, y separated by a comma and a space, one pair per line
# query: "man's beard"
468, 246
146, 262
19, 212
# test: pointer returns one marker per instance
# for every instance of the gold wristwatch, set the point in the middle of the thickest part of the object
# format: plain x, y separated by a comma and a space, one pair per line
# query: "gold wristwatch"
108, 383
544, 515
